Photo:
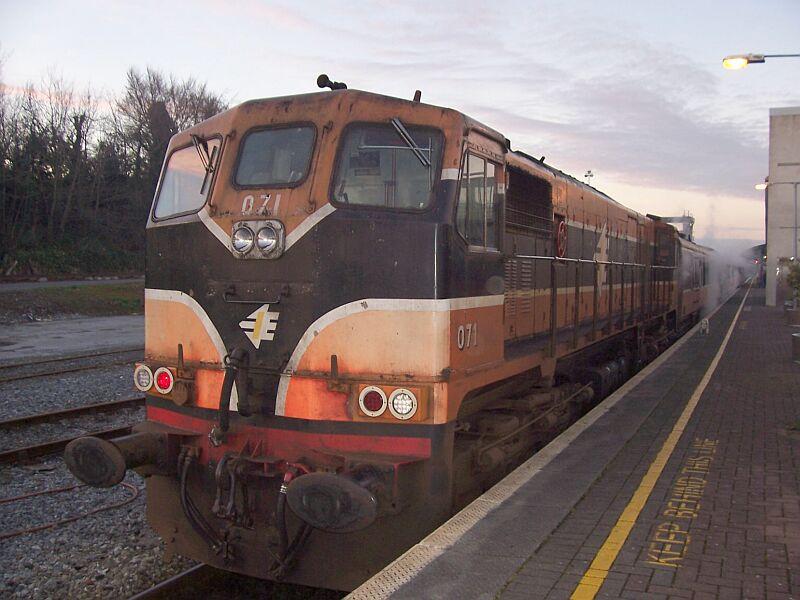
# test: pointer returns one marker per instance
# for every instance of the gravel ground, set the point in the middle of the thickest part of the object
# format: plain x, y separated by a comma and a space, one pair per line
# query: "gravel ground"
32, 396
112, 554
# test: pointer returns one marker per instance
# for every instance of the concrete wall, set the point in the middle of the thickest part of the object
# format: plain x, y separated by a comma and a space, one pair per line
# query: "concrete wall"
784, 170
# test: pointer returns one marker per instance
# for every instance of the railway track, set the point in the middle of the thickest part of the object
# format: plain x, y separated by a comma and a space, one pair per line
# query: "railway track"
215, 584
184, 585
68, 364
52, 446
4, 535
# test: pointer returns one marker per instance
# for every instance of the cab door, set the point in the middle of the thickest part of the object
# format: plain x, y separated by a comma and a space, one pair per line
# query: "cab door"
479, 215
476, 259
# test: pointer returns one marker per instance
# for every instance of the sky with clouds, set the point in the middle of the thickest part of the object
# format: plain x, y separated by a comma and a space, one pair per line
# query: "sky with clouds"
633, 90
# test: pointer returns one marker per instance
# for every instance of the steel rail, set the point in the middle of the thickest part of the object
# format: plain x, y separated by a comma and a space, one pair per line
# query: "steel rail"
53, 446
73, 412
209, 582
188, 583
66, 357
74, 369
134, 493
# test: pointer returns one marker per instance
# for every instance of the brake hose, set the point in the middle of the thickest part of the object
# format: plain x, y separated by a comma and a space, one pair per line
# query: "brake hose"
235, 368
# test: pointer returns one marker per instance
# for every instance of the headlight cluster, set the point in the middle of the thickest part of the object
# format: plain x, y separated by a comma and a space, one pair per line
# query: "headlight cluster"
373, 402
265, 237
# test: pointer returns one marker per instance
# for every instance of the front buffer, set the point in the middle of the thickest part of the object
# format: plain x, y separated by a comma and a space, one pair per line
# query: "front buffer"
325, 504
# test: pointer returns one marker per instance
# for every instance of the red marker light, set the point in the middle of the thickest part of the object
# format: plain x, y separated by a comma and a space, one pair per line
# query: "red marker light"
373, 401
164, 380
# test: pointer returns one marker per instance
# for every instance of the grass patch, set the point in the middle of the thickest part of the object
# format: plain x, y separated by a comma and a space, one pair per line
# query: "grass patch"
78, 258
59, 302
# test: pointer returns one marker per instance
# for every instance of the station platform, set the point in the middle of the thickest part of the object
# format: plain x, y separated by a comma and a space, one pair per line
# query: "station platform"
685, 483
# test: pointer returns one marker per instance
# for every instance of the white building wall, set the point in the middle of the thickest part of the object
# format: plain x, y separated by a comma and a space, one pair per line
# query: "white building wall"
784, 172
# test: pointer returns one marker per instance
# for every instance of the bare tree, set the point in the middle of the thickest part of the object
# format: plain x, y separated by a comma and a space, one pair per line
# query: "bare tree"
152, 109
69, 173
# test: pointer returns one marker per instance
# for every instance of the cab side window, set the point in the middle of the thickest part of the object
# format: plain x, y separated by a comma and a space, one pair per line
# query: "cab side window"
477, 212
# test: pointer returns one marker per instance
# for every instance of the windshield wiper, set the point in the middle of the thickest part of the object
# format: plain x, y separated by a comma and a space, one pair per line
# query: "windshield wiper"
201, 145
409, 141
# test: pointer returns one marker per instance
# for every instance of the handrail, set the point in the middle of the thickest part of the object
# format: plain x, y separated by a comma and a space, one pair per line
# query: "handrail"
579, 260
591, 261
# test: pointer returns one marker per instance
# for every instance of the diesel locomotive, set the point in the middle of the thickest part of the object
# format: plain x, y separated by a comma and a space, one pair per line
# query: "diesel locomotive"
361, 312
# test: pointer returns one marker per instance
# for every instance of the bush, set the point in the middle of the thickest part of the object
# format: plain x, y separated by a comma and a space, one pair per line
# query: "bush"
77, 258
793, 278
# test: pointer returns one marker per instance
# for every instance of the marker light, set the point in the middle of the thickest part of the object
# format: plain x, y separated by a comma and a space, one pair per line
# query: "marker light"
164, 380
267, 239
142, 378
402, 404
242, 239
372, 401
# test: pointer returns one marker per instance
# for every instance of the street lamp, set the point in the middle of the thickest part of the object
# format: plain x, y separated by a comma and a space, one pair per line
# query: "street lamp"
740, 61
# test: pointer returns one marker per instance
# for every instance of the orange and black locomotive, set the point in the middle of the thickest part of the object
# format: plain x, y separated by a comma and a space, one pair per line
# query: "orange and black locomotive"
361, 312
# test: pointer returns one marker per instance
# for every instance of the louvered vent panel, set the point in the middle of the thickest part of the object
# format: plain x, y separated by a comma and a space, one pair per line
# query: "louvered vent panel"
511, 285
525, 308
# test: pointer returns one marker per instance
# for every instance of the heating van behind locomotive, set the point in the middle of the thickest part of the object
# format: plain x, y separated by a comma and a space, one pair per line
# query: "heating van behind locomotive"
363, 311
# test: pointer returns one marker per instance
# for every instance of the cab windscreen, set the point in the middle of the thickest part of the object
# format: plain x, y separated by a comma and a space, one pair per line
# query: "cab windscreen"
389, 166
275, 157
185, 184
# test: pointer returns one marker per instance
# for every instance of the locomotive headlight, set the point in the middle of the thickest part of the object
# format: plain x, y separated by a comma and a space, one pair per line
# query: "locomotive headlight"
142, 378
267, 239
242, 239
403, 404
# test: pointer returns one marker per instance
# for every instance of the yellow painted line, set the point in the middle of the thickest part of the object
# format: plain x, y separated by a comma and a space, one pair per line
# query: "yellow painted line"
597, 572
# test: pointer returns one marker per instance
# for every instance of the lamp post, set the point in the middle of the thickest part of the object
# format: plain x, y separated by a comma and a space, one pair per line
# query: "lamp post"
740, 61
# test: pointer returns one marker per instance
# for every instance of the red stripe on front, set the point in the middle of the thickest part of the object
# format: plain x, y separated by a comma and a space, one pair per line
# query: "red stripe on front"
293, 445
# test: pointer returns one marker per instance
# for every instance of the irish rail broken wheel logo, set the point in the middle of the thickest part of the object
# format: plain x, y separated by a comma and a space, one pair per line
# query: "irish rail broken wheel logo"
260, 325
